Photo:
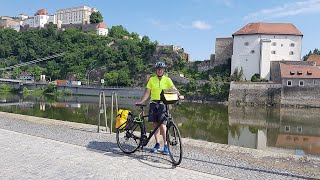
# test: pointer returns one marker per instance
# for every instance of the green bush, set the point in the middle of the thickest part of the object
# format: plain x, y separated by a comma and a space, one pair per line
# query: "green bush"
51, 88
68, 92
256, 78
167, 51
4, 87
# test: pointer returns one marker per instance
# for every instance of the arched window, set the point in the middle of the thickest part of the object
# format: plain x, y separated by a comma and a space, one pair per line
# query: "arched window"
291, 53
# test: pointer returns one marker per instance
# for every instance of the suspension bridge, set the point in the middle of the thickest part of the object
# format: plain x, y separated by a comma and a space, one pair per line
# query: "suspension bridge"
32, 62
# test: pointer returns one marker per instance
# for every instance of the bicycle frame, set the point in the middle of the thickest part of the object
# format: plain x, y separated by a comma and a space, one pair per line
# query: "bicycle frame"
144, 139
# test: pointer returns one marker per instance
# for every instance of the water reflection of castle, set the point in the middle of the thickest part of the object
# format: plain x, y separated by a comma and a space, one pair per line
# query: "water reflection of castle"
294, 129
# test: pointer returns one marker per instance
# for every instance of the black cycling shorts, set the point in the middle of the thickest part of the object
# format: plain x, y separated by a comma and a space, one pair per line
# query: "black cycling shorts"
157, 112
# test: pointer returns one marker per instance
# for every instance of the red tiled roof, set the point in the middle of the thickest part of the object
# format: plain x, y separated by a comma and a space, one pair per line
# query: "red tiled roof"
41, 12
314, 58
269, 28
102, 25
298, 71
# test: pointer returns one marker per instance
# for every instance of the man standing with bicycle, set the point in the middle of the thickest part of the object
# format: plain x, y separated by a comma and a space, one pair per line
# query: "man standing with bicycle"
157, 110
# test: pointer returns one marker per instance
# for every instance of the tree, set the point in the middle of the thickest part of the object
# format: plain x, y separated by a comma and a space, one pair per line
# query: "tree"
96, 17
315, 51
118, 32
237, 76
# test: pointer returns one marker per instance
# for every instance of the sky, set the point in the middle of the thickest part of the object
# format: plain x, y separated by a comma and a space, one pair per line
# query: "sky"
192, 24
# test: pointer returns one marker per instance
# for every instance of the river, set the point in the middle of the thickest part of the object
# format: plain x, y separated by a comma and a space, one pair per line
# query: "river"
288, 130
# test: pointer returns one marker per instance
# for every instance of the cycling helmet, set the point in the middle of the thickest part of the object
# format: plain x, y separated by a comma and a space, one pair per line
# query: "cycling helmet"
160, 65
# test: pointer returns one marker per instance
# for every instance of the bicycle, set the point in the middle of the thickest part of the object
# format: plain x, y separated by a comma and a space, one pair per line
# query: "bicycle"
135, 130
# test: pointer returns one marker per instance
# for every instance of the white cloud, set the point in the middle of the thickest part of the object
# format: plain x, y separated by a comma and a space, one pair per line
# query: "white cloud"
288, 9
159, 24
199, 24
202, 25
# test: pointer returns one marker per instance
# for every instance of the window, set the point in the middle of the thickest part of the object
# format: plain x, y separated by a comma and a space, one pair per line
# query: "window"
274, 36
287, 128
291, 53
274, 44
252, 51
281, 45
301, 83
299, 129
246, 43
289, 83
314, 82
292, 45
273, 52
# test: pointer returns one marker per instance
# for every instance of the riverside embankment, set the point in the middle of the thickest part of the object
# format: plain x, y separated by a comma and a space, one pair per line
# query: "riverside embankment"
202, 159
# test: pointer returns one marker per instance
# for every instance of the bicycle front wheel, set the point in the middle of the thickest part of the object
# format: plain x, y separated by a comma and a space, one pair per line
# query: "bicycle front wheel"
129, 137
174, 144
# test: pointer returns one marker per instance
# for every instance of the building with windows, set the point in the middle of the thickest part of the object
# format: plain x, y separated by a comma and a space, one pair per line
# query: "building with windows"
300, 75
76, 15
10, 22
256, 45
40, 19
102, 29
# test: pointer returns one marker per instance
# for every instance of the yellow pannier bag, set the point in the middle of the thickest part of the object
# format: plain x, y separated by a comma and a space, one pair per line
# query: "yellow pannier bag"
122, 118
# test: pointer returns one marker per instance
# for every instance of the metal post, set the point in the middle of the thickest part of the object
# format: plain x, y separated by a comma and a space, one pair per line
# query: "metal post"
99, 112
111, 112
105, 111
116, 101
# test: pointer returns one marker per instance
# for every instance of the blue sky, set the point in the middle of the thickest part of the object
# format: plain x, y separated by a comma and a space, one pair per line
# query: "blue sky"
191, 24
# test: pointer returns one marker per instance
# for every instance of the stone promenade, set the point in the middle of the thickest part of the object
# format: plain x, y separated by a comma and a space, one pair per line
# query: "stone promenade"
40, 148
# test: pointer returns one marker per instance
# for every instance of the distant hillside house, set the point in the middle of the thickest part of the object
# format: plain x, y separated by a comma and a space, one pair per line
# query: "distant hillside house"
75, 15
102, 29
10, 22
257, 44
40, 19
26, 76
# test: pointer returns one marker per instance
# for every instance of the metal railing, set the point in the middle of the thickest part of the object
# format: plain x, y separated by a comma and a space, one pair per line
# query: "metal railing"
103, 110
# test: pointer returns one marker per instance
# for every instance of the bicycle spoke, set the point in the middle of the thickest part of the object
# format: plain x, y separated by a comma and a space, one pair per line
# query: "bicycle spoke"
128, 140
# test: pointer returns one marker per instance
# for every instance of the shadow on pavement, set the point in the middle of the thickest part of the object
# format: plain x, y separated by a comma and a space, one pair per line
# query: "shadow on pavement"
250, 169
144, 156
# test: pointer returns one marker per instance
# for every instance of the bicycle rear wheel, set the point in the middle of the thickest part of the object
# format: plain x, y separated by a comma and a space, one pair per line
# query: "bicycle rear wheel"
174, 144
129, 137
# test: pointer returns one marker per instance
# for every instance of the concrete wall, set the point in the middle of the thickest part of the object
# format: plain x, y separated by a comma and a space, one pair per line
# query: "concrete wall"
254, 94
125, 92
276, 94
301, 96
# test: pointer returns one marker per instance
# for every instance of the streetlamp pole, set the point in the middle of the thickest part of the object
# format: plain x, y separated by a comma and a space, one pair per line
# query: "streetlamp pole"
88, 75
